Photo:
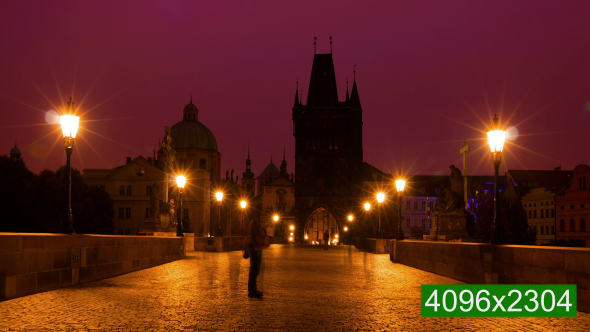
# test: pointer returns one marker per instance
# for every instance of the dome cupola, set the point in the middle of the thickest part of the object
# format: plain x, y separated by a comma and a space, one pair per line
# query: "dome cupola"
190, 133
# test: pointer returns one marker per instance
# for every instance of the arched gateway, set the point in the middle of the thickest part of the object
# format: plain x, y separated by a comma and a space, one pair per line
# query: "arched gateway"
317, 221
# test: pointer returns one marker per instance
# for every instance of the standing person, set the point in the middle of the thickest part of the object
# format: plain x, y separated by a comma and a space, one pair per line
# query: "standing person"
255, 247
326, 239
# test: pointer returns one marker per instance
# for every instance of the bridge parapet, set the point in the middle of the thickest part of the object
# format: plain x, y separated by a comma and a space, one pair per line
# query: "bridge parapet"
34, 263
478, 263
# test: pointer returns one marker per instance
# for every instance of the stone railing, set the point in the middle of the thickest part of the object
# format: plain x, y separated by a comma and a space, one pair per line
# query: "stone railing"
478, 263
34, 263
374, 246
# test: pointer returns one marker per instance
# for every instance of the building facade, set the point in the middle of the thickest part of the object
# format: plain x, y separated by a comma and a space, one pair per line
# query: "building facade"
573, 207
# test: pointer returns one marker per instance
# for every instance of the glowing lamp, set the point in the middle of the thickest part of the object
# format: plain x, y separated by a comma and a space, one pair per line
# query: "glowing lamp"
243, 204
291, 234
367, 206
181, 181
290, 239
69, 125
350, 217
336, 235
275, 217
292, 227
380, 197
400, 184
496, 137
346, 229
306, 237
219, 196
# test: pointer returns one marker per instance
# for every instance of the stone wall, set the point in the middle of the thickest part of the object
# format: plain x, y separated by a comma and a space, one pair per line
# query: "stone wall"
478, 263
374, 246
34, 263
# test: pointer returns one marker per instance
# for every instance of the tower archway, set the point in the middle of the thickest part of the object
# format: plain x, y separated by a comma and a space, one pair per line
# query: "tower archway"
317, 221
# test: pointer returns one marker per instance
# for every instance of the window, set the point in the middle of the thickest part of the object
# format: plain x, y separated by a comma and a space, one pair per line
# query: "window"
552, 213
582, 225
203, 164
423, 222
431, 204
121, 212
416, 205
542, 230
546, 229
408, 205
582, 206
534, 204
562, 207
148, 190
552, 229
185, 214
147, 212
101, 187
128, 212
121, 190
542, 214
437, 190
416, 222
423, 205
571, 207
121, 232
127, 232
562, 225
546, 213
407, 222
182, 162
572, 225
429, 223
128, 190
535, 214
530, 214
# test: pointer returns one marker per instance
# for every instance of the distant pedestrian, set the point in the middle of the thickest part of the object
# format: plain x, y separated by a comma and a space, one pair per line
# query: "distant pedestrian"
255, 247
326, 239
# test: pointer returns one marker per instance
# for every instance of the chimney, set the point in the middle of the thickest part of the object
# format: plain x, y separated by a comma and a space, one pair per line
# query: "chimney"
128, 160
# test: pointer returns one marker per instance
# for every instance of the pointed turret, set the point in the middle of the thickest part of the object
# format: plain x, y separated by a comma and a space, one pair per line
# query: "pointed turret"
296, 98
284, 166
347, 97
248, 181
355, 101
322, 83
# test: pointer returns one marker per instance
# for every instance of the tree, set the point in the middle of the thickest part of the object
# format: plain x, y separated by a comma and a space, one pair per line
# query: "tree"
516, 226
482, 209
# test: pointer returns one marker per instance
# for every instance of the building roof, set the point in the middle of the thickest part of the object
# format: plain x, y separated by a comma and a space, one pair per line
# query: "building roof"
271, 171
521, 176
322, 83
15, 150
192, 134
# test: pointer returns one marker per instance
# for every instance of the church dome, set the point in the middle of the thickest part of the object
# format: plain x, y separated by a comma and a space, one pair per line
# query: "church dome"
190, 106
15, 151
192, 134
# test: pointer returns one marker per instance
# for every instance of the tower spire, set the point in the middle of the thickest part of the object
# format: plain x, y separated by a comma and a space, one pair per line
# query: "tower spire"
347, 98
330, 44
314, 44
297, 94
284, 165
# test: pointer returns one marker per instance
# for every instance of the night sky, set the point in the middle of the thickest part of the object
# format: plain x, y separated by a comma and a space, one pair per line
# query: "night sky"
429, 73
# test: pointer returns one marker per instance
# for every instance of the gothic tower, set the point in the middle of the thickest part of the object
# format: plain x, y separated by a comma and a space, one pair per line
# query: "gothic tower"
248, 180
328, 152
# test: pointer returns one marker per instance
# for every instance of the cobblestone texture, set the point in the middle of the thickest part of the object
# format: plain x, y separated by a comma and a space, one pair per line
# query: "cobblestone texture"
306, 289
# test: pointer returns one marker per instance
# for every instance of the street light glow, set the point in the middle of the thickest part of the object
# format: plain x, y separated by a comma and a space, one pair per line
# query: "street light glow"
181, 181
380, 197
400, 184
219, 196
275, 217
69, 125
350, 217
243, 204
367, 206
292, 227
496, 137
290, 239
306, 237
345, 229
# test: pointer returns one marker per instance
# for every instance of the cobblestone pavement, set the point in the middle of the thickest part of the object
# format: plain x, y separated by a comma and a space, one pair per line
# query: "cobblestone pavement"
306, 289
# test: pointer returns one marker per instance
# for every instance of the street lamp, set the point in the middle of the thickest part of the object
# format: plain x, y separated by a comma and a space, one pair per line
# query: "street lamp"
180, 182
243, 205
400, 183
496, 137
367, 206
219, 196
380, 199
69, 127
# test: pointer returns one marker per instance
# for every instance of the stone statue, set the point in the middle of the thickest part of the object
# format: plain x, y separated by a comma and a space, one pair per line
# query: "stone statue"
168, 149
232, 175
456, 180
155, 200
227, 175
448, 200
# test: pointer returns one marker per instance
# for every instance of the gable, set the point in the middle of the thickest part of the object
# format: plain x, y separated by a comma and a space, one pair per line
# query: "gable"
138, 169
280, 182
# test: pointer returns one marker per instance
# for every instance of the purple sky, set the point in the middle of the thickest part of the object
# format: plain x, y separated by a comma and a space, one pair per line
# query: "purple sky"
429, 74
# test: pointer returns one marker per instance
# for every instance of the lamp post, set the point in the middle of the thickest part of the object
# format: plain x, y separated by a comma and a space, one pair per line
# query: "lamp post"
400, 183
180, 182
291, 233
219, 196
69, 127
243, 205
380, 199
496, 137
350, 219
